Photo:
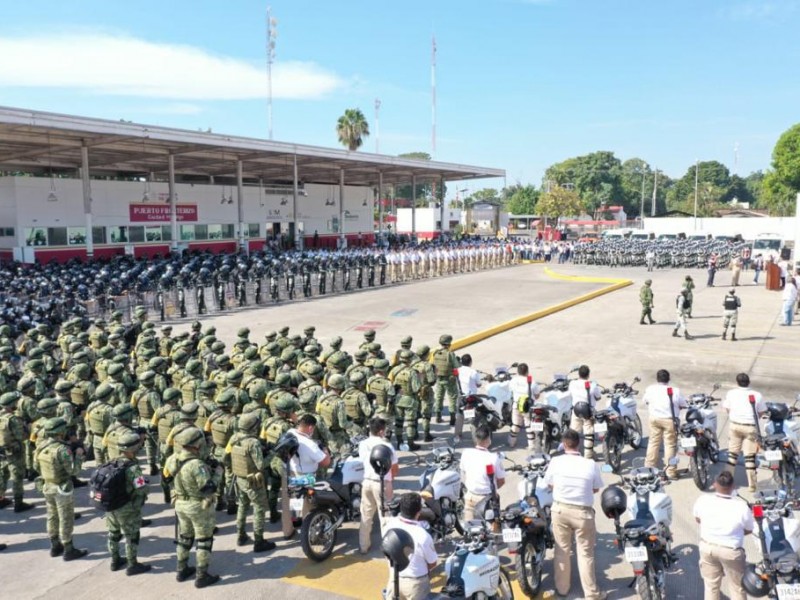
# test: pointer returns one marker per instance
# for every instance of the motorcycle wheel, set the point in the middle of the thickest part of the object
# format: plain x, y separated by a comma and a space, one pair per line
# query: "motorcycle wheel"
529, 572
504, 589
506, 414
459, 517
635, 432
317, 545
612, 451
698, 465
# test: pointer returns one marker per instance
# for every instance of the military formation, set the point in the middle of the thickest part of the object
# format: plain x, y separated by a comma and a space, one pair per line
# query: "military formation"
135, 408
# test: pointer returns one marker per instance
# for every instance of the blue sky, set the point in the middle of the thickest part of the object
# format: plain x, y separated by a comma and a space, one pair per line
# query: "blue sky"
521, 83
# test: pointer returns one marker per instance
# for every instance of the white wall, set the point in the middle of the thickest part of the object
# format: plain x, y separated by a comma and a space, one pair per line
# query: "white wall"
426, 219
748, 227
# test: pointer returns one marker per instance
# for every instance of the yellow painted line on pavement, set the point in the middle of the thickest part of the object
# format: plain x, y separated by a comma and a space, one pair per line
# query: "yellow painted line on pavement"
615, 284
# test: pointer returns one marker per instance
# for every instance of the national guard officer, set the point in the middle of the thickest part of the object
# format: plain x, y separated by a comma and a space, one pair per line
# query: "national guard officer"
271, 431
194, 486
665, 403
585, 394
126, 520
730, 315
123, 423
58, 465
646, 299
405, 377
369, 337
115, 380
382, 389
743, 406
357, 404
333, 413
248, 463
98, 419
146, 400
192, 379
405, 344
221, 424
81, 395
26, 411
13, 435
165, 419
444, 362
427, 379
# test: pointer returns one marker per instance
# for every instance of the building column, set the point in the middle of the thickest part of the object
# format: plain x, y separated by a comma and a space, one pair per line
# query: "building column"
342, 237
441, 209
298, 238
87, 200
380, 205
240, 205
173, 208
413, 206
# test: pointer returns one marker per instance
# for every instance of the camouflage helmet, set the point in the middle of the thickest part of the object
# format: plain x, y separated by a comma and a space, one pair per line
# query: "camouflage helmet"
147, 377
314, 370
423, 351
270, 336
193, 366
249, 422
46, 405
9, 399
405, 356
82, 370
129, 441
226, 398
103, 391
283, 379
55, 426
406, 342
234, 376
25, 384
369, 335
287, 404
115, 369
446, 339
337, 342
122, 411
171, 394
357, 378
223, 360
191, 437
189, 411
337, 382
360, 355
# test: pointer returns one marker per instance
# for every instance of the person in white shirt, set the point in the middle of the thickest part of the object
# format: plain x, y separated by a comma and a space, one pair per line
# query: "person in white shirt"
371, 486
742, 404
724, 521
523, 393
468, 377
310, 456
415, 583
574, 481
585, 392
665, 403
789, 301
475, 463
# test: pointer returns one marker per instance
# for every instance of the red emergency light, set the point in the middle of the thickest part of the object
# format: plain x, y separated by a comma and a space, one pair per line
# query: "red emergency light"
758, 511
490, 469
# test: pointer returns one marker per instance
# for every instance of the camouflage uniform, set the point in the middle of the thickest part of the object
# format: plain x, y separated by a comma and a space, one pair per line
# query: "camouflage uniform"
444, 362
406, 404
221, 425
427, 379
383, 390
146, 400
97, 420
332, 410
356, 403
13, 436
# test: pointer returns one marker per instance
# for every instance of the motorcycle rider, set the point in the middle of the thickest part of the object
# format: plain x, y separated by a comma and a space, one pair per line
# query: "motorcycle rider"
474, 463
523, 394
742, 404
665, 402
585, 394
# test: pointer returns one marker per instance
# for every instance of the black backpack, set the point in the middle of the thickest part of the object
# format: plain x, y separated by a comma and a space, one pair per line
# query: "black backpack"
109, 488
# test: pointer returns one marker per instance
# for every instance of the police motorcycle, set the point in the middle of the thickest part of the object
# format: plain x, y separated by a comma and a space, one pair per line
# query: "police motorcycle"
780, 445
551, 414
480, 409
778, 573
331, 502
618, 424
699, 436
646, 538
526, 524
499, 392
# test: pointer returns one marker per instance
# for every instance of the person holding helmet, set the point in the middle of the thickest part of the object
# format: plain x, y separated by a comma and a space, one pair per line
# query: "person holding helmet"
724, 520
374, 452
585, 394
730, 314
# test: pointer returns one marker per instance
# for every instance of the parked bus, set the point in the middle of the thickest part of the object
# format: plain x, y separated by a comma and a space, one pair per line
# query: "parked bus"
768, 245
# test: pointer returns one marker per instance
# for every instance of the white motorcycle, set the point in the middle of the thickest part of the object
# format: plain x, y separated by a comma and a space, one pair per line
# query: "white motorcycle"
442, 493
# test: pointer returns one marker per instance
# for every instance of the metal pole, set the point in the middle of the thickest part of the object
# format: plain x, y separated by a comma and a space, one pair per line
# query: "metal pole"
240, 204
641, 210
433, 95
173, 209
342, 237
380, 205
87, 200
271, 34
413, 206
298, 239
696, 180
655, 195
377, 126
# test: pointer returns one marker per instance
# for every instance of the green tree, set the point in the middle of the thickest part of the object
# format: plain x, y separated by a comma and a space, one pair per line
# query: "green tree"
782, 182
425, 190
520, 199
754, 183
489, 195
352, 128
778, 197
709, 173
560, 202
636, 181
596, 177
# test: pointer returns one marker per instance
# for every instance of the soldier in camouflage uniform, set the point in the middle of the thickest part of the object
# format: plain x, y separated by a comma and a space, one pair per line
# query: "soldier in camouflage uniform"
81, 394
165, 418
165, 341
444, 362
117, 383
383, 390
158, 365
46, 408
192, 379
220, 375
248, 463
127, 520
233, 380
187, 419
194, 486
271, 431
369, 337
283, 386
357, 404
205, 401
405, 344
335, 346
646, 299
175, 373
221, 424
58, 465
359, 360
406, 404
311, 386
146, 400
427, 379
311, 355
283, 337
26, 410
101, 365
97, 420
13, 435
333, 413
123, 415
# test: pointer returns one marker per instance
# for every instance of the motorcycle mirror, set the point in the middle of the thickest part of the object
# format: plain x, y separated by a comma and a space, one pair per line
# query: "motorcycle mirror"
514, 365
715, 388
636, 379
607, 469
673, 461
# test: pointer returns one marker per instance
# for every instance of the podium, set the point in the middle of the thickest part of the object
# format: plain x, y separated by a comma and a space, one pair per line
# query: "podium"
773, 271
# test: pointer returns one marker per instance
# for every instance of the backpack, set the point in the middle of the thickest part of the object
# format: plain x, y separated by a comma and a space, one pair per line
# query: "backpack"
441, 363
109, 485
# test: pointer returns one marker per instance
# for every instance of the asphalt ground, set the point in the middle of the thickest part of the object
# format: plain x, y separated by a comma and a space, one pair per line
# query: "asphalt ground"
603, 333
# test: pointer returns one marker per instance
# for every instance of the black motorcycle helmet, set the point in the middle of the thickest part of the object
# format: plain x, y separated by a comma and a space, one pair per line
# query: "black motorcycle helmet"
582, 410
397, 546
381, 459
287, 446
693, 415
753, 584
614, 502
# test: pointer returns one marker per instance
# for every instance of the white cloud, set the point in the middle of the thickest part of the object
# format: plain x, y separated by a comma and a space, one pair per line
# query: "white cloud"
126, 66
760, 10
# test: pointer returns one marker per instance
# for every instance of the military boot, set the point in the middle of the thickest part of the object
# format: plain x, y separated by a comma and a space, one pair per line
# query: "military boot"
724, 335
3, 547
641, 322
167, 497
220, 504
243, 539
79, 483
427, 437
154, 471
185, 574
72, 553
56, 547
412, 446
675, 333
118, 563
232, 507
733, 336
4, 502
262, 545
687, 336
205, 580
20, 506
452, 419
137, 568
438, 417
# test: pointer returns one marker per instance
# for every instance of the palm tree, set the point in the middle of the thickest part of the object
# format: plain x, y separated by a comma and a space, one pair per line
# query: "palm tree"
352, 128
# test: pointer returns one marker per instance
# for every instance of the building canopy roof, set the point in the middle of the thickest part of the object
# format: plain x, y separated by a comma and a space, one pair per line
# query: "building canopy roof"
41, 142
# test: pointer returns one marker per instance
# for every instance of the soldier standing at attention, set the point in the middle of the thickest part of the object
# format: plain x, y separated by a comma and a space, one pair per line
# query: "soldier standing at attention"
730, 316
12, 438
646, 298
194, 487
127, 519
58, 465
444, 362
332, 411
427, 379
146, 400
682, 307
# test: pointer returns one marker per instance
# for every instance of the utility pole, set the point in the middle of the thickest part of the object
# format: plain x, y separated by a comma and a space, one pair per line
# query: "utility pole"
377, 126
272, 33
655, 195
433, 96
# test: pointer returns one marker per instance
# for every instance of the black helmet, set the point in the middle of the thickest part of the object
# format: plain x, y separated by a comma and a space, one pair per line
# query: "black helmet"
397, 546
613, 501
753, 584
695, 415
287, 446
582, 410
381, 459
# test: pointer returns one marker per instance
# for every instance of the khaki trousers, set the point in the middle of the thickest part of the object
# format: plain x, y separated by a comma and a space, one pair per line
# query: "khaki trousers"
717, 562
662, 429
742, 440
472, 502
410, 588
585, 426
371, 506
575, 522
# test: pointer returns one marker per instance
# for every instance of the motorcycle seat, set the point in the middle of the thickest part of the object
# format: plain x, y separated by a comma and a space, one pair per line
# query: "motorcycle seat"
775, 439
780, 550
638, 524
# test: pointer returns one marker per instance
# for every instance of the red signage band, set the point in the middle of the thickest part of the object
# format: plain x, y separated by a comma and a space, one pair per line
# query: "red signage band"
160, 213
